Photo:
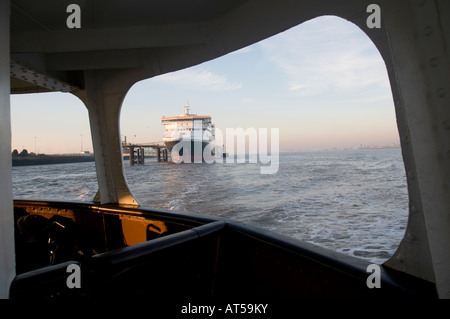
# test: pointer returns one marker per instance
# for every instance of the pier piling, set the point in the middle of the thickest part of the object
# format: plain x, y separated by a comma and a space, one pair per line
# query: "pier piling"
131, 148
137, 152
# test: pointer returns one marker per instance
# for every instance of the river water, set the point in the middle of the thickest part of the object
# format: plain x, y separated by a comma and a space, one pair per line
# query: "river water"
354, 202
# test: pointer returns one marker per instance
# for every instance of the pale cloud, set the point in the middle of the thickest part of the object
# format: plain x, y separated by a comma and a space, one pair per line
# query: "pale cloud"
326, 54
199, 79
296, 86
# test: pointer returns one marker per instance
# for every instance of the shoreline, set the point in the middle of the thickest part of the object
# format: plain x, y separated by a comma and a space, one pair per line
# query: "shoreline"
50, 159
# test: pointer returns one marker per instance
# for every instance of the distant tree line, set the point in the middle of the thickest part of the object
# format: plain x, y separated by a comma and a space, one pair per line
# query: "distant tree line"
23, 153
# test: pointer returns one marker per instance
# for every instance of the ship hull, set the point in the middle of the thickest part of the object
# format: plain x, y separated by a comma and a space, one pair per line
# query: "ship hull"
188, 151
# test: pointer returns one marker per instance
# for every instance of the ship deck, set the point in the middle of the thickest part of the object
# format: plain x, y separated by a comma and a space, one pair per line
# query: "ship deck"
129, 253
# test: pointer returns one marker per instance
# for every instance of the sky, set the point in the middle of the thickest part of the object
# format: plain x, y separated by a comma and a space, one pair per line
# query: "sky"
323, 84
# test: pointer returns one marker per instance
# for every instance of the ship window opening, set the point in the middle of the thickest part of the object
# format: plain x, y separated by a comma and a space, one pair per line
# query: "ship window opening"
340, 183
51, 136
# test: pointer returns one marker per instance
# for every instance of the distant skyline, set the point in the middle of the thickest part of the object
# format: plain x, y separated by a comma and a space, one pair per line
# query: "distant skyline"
322, 83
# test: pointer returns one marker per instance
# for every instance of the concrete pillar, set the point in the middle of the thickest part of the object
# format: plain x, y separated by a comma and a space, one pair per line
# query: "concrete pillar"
103, 97
7, 255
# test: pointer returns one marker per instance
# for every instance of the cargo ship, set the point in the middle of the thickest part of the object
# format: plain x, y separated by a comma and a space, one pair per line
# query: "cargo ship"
187, 135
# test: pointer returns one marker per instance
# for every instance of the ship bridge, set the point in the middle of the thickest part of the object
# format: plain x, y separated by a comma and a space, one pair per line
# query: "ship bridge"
97, 50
